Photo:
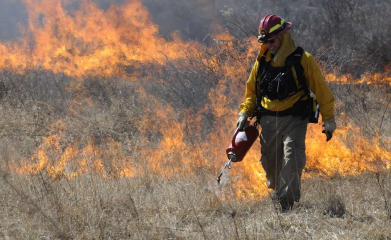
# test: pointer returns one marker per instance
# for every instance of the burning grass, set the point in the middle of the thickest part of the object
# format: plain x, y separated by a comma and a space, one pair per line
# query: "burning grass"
96, 170
117, 128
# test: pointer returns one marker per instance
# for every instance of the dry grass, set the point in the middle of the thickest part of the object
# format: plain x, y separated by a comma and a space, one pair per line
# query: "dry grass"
87, 207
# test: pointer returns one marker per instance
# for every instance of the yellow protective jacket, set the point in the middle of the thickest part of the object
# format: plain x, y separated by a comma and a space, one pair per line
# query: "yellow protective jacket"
312, 74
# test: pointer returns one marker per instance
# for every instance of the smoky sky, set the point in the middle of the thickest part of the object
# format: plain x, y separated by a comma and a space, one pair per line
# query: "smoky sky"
12, 13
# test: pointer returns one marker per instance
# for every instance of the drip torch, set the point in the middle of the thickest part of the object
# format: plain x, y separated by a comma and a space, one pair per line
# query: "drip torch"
240, 144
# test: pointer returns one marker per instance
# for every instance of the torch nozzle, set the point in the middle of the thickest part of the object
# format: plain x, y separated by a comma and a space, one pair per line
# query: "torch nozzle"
227, 165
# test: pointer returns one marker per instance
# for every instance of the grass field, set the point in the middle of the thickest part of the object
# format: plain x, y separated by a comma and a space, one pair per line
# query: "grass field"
87, 207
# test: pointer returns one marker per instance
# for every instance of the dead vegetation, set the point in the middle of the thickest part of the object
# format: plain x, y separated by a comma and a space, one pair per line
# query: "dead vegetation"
88, 207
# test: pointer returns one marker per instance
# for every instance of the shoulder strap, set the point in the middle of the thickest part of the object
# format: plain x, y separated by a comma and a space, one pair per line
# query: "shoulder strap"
261, 62
294, 59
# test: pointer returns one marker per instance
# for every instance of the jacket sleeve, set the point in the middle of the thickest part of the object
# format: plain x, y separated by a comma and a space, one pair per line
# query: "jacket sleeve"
248, 106
318, 86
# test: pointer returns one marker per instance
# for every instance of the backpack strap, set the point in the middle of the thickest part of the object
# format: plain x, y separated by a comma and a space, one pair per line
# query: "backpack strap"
312, 106
294, 59
261, 63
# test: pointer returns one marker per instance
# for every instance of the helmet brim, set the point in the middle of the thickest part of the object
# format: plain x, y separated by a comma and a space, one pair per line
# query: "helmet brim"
287, 27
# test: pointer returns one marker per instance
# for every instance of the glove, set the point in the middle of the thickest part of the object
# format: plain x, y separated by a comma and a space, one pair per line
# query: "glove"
240, 124
329, 127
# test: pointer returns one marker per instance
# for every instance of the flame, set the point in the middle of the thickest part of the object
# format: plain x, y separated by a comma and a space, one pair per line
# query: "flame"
90, 41
107, 160
337, 158
171, 145
381, 78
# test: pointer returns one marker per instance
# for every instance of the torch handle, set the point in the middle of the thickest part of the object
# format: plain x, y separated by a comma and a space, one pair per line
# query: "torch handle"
234, 137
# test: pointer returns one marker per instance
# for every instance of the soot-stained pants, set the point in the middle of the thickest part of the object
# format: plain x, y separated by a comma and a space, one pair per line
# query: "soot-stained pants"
283, 154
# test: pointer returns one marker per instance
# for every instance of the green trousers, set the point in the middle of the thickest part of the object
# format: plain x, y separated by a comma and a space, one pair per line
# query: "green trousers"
283, 154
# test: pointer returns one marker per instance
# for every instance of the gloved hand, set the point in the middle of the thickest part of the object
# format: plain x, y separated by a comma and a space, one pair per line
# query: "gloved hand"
329, 127
240, 124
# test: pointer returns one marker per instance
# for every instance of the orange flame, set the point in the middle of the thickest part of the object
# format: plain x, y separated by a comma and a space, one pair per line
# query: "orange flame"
383, 78
90, 41
108, 161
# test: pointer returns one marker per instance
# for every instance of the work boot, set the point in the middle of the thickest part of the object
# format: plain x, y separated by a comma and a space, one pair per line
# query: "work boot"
285, 205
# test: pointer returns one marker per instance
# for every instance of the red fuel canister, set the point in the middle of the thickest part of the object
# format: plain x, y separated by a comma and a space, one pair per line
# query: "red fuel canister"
241, 143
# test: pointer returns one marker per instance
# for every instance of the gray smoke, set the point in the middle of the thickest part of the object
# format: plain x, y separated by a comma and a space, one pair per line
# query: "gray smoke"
12, 13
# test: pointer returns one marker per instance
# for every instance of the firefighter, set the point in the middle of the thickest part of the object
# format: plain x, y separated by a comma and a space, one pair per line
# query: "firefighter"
282, 94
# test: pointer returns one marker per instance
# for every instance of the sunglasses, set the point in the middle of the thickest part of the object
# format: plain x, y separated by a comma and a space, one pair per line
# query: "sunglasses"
264, 41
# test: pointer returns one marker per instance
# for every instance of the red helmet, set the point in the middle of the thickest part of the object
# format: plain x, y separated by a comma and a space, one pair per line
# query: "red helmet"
272, 26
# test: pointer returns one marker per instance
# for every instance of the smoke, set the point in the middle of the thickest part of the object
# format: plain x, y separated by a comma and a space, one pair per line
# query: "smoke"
12, 14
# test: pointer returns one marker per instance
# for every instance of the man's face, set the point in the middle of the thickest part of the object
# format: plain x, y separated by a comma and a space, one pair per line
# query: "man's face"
274, 45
